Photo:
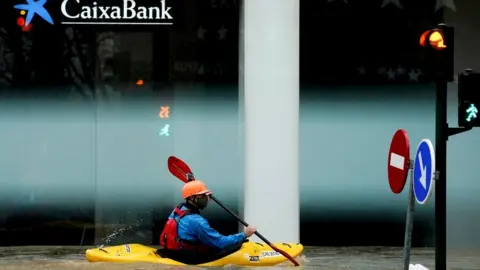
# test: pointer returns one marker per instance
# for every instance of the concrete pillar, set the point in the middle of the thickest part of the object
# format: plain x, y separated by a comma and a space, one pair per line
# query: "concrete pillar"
270, 58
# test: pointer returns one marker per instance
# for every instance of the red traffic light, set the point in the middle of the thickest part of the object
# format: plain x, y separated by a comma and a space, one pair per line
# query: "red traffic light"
433, 38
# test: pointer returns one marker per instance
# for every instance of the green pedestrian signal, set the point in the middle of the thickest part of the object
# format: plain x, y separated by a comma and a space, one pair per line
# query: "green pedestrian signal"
471, 113
468, 99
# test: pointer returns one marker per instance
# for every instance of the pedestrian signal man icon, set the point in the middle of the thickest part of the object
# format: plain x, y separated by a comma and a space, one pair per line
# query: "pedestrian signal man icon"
165, 131
472, 113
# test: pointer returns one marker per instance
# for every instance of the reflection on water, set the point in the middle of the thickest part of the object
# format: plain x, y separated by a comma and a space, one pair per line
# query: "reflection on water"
47, 257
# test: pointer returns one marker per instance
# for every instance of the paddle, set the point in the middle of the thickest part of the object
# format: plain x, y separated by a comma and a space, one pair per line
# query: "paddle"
181, 170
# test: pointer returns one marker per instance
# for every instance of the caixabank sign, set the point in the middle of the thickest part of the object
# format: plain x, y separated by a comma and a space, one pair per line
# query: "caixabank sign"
89, 12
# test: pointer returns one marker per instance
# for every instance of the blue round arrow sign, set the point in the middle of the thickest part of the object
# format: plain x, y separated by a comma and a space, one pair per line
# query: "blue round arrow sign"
424, 171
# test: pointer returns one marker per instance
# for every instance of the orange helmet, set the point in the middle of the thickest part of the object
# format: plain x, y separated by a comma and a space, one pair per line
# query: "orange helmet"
194, 188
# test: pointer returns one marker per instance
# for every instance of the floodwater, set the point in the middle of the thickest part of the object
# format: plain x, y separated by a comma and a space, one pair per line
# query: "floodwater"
53, 258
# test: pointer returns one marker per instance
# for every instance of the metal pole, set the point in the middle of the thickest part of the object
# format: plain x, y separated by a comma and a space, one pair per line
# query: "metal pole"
441, 137
409, 223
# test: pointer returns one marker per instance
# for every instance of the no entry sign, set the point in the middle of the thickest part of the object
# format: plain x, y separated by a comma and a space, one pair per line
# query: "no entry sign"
398, 161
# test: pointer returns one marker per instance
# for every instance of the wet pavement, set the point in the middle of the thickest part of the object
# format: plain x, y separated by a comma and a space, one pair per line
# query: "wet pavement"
53, 258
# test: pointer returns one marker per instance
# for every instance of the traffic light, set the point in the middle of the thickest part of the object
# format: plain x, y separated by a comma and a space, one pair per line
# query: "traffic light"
438, 52
468, 99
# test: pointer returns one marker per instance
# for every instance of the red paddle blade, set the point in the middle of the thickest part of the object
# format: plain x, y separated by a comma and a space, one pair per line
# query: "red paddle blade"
180, 169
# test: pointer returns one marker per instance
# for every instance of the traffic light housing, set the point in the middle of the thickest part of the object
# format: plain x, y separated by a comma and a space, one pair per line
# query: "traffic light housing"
468, 99
438, 46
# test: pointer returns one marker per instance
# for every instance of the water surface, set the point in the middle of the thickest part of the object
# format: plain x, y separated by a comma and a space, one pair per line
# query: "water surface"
53, 258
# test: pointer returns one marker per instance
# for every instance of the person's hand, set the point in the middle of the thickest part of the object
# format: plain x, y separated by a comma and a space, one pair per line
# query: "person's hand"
249, 231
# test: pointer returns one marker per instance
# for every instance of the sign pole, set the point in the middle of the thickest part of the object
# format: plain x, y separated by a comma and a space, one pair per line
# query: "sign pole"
409, 223
441, 137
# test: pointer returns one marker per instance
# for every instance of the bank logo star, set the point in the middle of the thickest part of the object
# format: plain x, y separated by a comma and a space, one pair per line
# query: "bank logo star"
35, 7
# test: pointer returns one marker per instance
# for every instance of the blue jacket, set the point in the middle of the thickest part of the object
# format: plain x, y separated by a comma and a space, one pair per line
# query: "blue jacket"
194, 227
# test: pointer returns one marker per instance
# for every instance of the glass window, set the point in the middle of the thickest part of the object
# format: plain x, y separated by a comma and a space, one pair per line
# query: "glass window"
93, 107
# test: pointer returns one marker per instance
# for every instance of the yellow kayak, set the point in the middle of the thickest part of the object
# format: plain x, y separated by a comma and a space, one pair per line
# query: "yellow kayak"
250, 254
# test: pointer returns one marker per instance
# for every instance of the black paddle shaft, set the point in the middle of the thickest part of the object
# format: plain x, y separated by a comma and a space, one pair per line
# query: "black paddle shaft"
239, 220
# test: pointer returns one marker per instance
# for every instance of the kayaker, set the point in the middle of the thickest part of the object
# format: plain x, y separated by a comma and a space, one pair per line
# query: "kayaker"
188, 237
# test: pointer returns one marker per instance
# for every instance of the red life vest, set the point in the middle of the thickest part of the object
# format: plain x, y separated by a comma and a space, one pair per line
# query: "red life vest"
169, 237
